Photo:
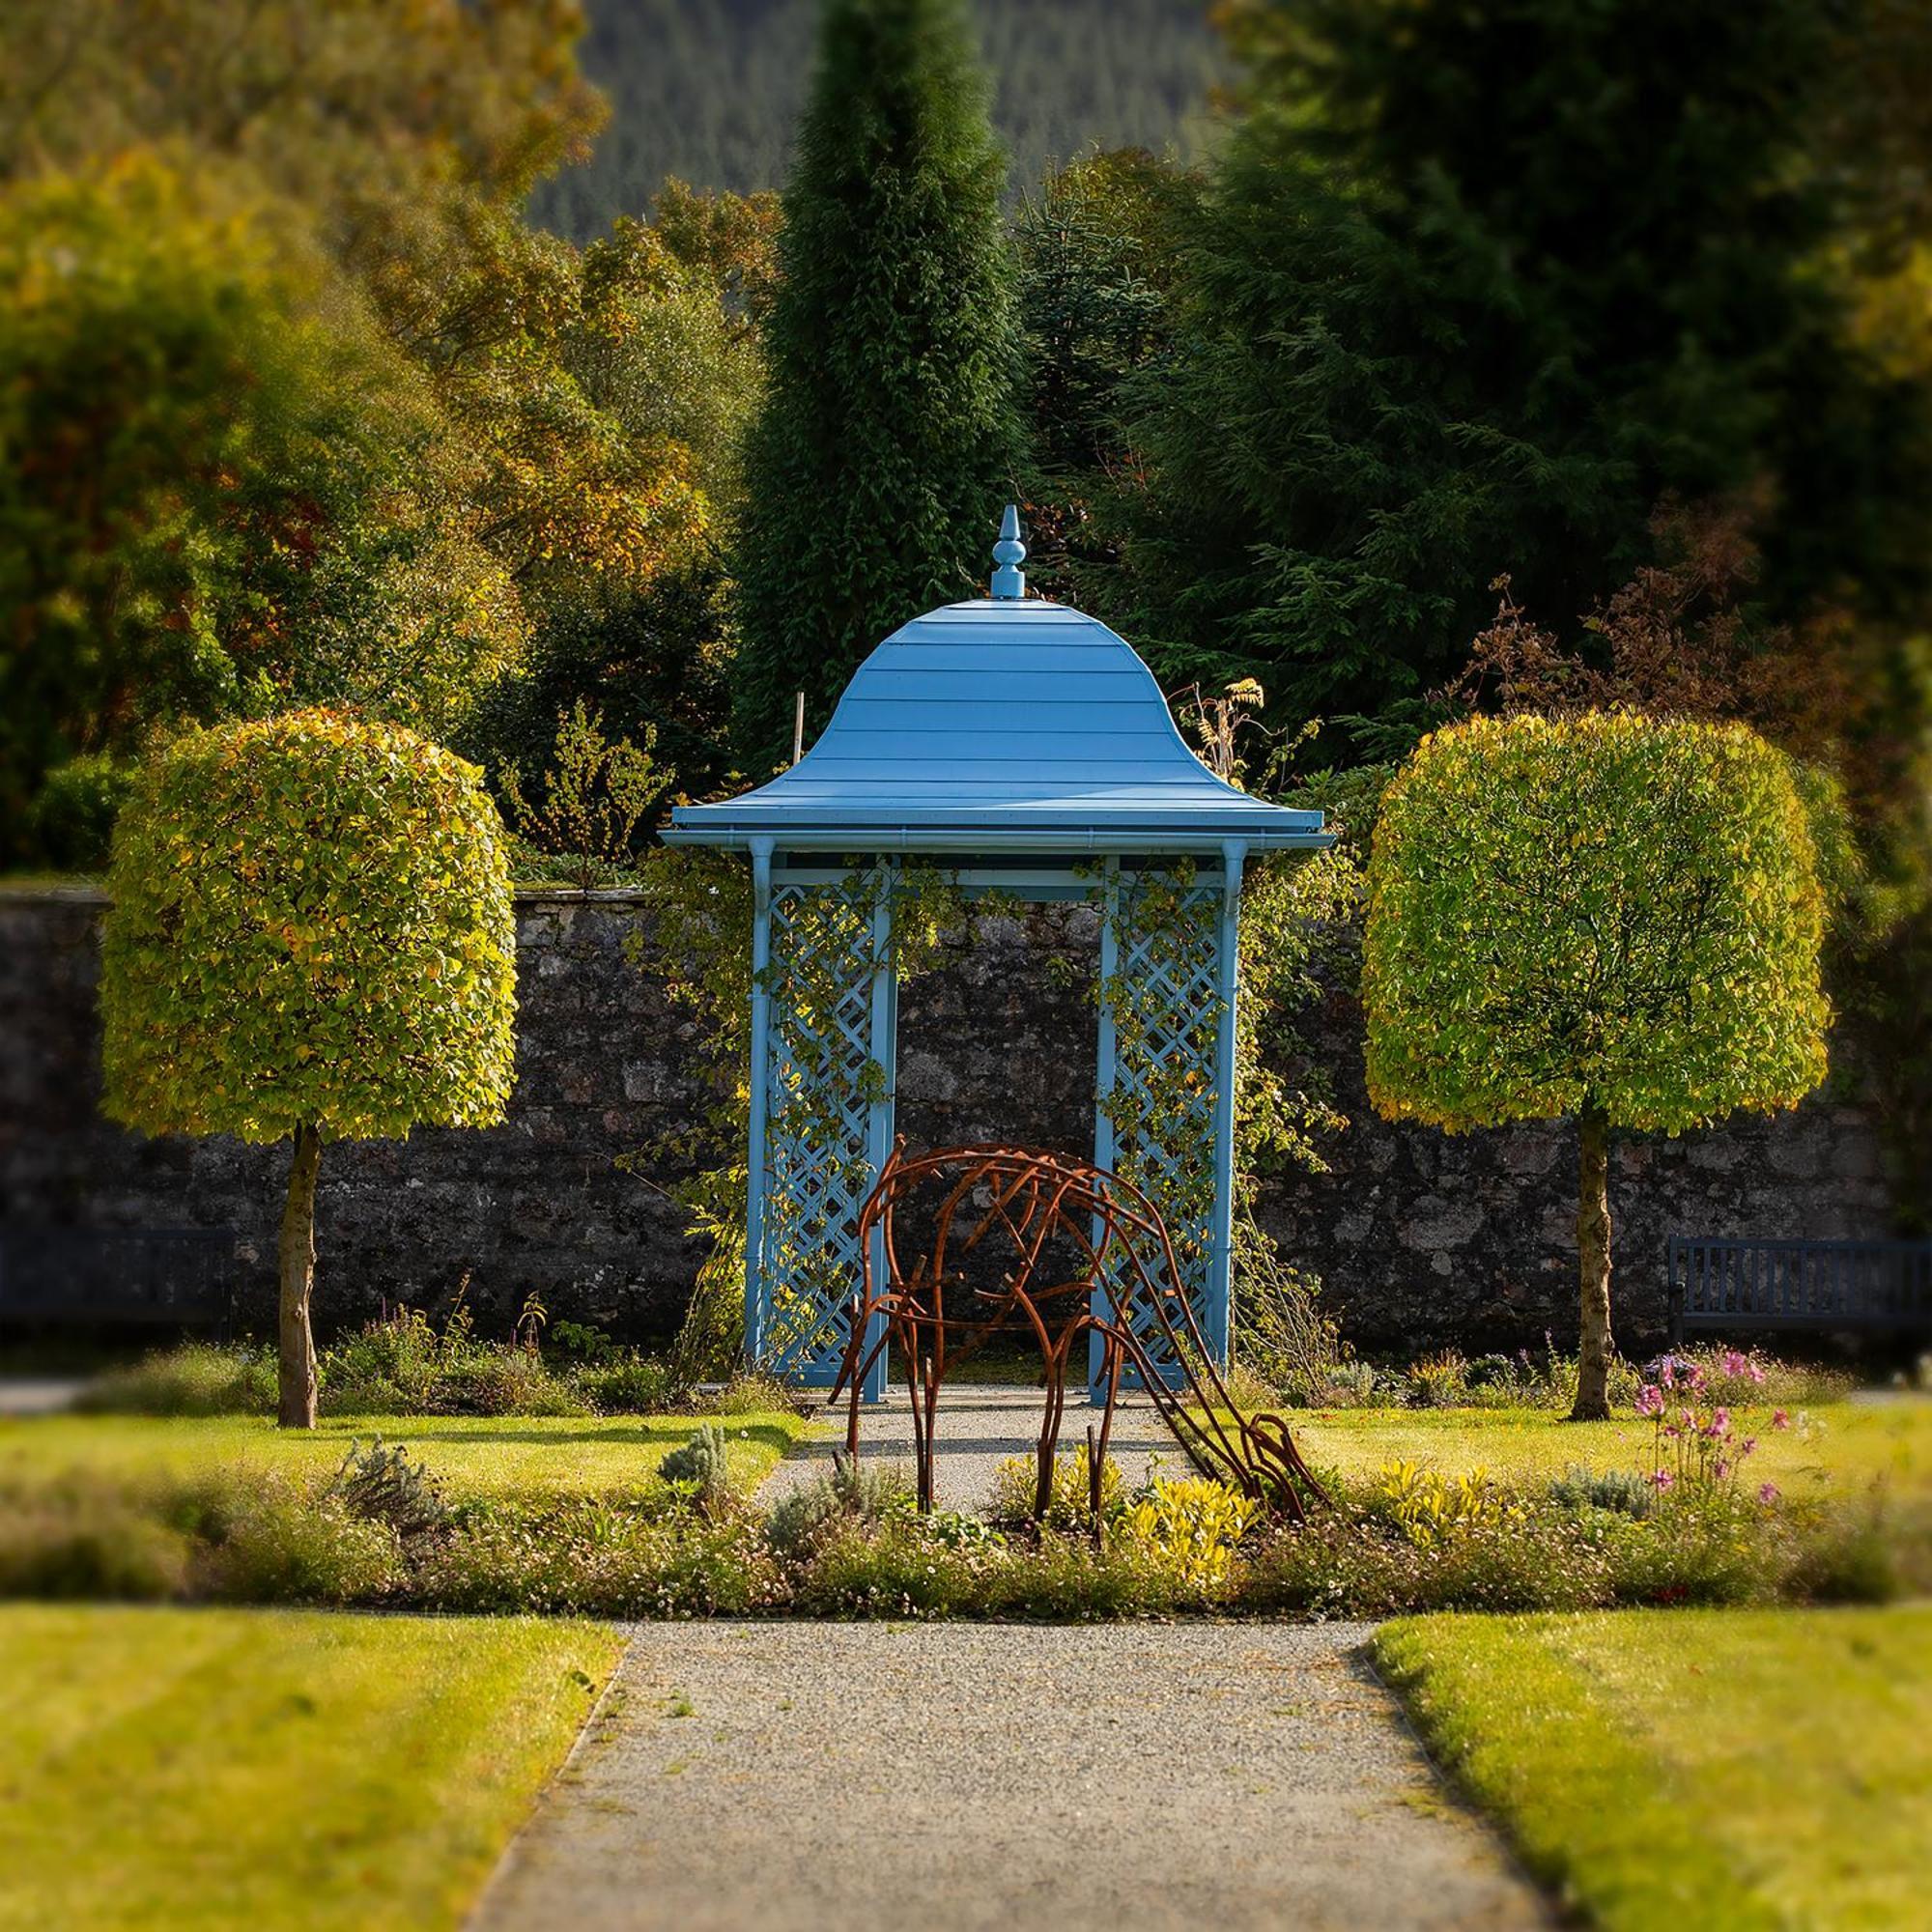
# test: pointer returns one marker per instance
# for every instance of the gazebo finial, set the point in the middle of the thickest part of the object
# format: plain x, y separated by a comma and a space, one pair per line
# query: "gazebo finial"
1009, 553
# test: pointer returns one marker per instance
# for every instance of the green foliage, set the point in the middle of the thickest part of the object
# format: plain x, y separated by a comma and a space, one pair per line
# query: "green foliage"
1627, 1491
191, 1378
194, 439
1471, 290
1191, 1527
71, 824
1603, 908
889, 433
853, 1493
82, 1544
655, 659
699, 1466
1069, 1500
282, 1546
310, 925
387, 1486
594, 793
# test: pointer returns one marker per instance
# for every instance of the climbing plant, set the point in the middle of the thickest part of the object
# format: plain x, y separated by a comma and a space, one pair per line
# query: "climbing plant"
697, 934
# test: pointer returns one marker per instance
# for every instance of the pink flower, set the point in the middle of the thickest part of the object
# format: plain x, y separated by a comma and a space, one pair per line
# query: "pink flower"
1755, 1373
1780, 1419
1721, 1468
1767, 1492
1734, 1363
1649, 1400
1664, 1479
1746, 1446
1720, 1425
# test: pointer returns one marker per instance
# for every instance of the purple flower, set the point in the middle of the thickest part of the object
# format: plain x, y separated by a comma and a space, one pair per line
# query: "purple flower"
1663, 1479
1767, 1492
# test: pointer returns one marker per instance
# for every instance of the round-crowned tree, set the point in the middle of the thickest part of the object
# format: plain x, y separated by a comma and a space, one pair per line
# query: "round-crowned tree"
1610, 918
310, 938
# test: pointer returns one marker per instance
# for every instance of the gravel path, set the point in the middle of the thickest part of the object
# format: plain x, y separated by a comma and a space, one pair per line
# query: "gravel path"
979, 1429
972, 1778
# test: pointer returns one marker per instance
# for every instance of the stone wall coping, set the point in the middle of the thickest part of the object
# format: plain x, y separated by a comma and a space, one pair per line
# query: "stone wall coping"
91, 892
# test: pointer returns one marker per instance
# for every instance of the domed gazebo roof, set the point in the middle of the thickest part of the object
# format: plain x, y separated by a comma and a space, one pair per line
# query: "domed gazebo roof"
1003, 723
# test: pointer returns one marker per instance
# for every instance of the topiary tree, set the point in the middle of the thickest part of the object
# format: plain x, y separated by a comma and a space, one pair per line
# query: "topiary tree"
310, 938
1609, 917
890, 432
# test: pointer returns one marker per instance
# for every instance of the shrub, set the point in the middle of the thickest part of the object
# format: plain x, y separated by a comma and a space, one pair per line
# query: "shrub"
72, 819
1431, 1508
630, 1385
310, 937
1190, 1526
699, 1466
100, 1549
287, 1547
191, 1379
1069, 1503
851, 1491
400, 1365
384, 1485
1438, 1380
1625, 1492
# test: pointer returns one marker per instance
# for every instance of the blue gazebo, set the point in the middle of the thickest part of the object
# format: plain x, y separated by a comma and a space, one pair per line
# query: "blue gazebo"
1020, 747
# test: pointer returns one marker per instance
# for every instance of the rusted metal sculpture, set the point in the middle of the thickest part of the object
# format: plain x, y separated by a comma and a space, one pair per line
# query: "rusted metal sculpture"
1124, 1289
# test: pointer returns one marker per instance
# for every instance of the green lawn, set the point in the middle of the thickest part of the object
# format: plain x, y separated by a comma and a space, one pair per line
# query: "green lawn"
1725, 1770
1841, 1445
491, 1455
287, 1769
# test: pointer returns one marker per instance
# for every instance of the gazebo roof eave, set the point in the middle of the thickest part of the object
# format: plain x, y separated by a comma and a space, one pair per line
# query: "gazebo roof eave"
967, 839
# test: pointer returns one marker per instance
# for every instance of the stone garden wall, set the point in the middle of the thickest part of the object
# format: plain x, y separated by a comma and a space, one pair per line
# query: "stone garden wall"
1421, 1239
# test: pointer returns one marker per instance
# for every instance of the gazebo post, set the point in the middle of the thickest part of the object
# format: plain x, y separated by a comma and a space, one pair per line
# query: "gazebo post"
757, 1154
1227, 976
884, 1022
1105, 1070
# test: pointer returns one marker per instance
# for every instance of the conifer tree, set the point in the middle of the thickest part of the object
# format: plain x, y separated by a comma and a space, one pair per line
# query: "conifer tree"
889, 436
1474, 289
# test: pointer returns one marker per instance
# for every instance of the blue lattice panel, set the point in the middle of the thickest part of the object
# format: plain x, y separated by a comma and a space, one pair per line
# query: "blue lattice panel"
1165, 1009
824, 1083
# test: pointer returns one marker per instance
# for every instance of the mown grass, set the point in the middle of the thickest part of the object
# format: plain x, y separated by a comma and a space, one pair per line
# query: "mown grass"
471, 1455
166, 1768
1837, 1447
1731, 1769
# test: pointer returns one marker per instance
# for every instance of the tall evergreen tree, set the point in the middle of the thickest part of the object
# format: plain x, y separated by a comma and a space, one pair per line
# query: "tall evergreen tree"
1473, 288
890, 429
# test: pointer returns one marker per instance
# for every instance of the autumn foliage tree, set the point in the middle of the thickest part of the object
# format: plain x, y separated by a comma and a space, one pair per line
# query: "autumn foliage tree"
309, 939
1610, 918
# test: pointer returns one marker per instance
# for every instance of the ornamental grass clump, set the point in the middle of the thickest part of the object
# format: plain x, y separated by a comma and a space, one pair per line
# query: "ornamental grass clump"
310, 938
1609, 917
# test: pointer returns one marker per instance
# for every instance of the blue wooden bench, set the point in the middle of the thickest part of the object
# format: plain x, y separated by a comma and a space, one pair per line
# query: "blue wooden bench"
115, 1277
1816, 1284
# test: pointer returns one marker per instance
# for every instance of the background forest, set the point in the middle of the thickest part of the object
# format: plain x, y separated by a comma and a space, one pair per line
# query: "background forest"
456, 364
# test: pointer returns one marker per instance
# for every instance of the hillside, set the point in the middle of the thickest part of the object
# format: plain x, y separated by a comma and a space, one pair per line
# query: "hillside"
708, 89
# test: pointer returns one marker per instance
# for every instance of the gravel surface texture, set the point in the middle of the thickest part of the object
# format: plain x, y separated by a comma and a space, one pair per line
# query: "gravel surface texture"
979, 1429
976, 1777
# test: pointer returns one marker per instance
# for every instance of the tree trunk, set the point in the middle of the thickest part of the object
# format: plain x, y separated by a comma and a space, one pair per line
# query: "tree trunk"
297, 1272
1593, 1263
